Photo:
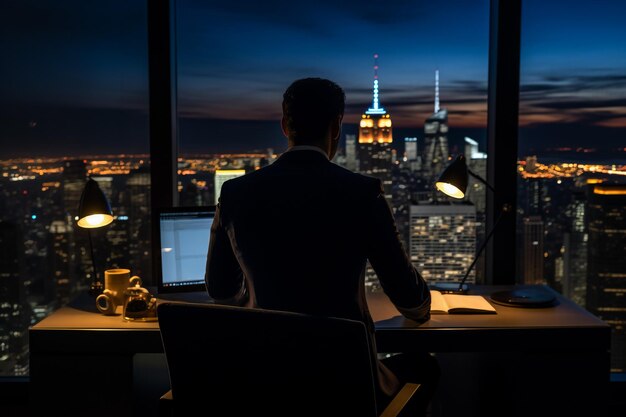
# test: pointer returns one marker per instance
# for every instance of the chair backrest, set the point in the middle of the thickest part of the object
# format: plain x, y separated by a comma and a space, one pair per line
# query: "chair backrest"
234, 361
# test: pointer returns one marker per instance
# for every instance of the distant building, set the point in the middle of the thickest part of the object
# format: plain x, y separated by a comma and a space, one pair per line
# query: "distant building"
410, 149
471, 150
139, 232
575, 251
606, 285
14, 310
73, 181
435, 152
375, 138
533, 260
351, 154
477, 163
60, 285
443, 241
223, 175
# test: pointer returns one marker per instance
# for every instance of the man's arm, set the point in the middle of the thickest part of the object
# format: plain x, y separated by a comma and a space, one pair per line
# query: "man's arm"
224, 278
400, 280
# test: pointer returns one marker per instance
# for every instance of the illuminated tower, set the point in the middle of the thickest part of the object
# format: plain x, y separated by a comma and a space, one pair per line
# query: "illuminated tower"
375, 140
436, 152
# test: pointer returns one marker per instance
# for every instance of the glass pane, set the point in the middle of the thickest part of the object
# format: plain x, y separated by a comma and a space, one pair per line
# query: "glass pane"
572, 159
73, 104
416, 98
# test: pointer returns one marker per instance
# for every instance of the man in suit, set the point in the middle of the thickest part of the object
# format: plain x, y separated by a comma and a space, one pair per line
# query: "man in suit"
296, 235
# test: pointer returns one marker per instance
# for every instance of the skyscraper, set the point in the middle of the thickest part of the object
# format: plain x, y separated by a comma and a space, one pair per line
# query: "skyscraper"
60, 283
435, 153
14, 310
410, 149
351, 159
73, 181
477, 162
443, 241
533, 250
375, 138
138, 203
575, 251
606, 285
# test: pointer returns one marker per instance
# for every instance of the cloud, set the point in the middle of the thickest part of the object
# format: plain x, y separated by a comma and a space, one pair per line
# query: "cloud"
597, 98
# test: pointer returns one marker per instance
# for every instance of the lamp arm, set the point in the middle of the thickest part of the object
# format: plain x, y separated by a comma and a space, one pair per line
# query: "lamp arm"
96, 285
479, 178
482, 246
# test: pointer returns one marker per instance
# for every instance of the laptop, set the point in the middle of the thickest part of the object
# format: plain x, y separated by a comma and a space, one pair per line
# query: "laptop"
183, 237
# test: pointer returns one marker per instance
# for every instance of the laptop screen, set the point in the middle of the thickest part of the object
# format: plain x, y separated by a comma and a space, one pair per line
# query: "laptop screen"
184, 234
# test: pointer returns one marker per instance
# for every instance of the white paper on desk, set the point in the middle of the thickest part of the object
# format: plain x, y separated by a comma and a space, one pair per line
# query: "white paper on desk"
459, 304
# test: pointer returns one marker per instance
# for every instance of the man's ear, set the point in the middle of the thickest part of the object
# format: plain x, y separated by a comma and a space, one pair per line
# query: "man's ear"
335, 128
283, 126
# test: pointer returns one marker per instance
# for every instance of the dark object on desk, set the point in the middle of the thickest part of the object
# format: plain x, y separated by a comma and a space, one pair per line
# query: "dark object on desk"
449, 287
253, 362
453, 183
527, 297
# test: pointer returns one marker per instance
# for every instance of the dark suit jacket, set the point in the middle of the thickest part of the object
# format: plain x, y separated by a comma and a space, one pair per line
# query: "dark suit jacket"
296, 235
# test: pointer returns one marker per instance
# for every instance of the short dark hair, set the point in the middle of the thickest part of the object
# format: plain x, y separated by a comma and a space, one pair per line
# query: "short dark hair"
309, 107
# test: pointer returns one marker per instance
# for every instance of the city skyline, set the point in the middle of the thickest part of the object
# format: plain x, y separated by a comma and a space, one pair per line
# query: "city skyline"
81, 86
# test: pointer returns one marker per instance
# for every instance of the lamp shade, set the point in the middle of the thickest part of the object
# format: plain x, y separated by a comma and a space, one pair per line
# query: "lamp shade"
453, 180
94, 209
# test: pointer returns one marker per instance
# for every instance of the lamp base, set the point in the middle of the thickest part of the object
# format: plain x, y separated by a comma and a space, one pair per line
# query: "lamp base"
449, 287
530, 297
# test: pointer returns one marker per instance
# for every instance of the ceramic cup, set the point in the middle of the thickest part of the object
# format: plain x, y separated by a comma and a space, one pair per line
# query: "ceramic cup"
115, 283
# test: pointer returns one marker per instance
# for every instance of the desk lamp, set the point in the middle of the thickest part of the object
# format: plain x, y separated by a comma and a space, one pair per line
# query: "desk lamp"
94, 211
453, 182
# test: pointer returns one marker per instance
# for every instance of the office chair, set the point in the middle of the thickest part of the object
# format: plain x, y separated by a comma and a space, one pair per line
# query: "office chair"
235, 361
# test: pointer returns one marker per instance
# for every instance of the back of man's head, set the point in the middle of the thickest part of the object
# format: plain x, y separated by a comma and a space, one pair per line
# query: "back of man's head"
309, 107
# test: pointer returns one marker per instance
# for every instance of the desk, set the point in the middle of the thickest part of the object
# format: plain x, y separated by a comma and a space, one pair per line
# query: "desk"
83, 360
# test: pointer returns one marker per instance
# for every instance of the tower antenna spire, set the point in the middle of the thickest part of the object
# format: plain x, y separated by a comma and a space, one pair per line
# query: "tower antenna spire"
376, 108
437, 91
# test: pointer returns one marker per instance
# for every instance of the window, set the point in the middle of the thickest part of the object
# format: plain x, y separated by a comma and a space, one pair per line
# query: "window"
572, 160
73, 103
415, 76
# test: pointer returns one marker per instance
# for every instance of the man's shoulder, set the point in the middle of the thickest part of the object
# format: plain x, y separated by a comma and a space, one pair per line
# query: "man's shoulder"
334, 176
359, 181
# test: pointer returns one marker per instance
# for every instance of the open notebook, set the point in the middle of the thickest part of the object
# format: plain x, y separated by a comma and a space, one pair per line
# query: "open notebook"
459, 304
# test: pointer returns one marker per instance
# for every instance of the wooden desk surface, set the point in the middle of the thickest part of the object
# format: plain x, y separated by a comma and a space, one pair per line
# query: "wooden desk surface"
565, 313
565, 326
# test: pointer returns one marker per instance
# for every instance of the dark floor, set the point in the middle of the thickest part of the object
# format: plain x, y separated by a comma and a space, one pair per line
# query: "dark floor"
14, 401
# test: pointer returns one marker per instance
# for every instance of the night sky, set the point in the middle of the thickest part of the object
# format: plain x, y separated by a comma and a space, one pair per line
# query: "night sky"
74, 73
